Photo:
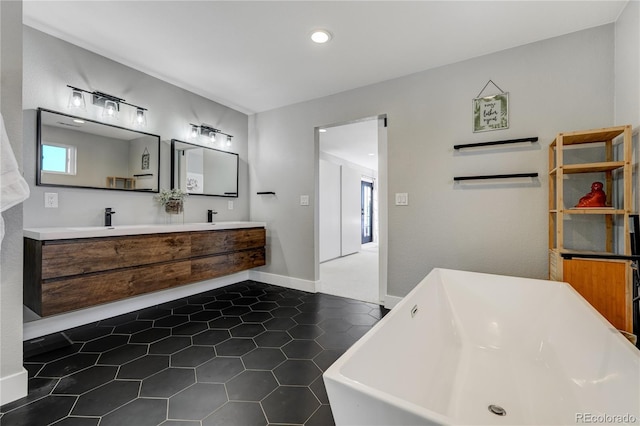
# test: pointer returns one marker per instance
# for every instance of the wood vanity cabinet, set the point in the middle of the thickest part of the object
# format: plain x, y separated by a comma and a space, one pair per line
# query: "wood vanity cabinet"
70, 274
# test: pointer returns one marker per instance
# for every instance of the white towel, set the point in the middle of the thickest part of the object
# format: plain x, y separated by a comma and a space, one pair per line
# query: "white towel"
13, 188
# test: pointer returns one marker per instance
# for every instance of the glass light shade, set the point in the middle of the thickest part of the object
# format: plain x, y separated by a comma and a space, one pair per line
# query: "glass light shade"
76, 99
212, 136
110, 109
194, 131
140, 118
228, 140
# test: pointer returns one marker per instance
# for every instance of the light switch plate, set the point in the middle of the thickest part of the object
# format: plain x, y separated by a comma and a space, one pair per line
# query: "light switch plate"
304, 200
51, 200
402, 199
230, 205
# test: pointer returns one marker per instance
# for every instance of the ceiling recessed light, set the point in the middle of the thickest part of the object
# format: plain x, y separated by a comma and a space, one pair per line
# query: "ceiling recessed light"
371, 154
321, 36
323, 130
77, 120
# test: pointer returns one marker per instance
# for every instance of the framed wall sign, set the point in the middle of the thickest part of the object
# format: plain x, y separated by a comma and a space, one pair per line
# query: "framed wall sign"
146, 157
491, 112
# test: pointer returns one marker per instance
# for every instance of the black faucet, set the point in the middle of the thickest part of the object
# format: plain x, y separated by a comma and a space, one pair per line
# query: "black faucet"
107, 216
210, 214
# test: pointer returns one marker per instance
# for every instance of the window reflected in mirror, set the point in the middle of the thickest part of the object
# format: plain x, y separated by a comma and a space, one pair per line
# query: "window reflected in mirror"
59, 158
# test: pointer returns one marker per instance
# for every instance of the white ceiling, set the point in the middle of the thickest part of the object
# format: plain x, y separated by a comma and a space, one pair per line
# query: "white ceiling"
354, 142
256, 55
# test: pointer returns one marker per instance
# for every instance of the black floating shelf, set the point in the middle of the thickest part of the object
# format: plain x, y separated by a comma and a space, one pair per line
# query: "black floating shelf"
504, 142
143, 175
266, 193
570, 256
484, 177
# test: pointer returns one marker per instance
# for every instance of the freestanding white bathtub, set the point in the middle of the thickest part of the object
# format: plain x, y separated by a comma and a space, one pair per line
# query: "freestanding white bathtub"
461, 342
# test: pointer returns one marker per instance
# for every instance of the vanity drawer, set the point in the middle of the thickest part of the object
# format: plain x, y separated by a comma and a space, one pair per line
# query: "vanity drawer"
63, 258
78, 292
216, 266
214, 242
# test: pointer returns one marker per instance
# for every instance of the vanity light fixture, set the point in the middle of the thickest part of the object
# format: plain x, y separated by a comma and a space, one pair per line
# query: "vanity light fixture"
208, 131
76, 98
320, 36
140, 118
111, 109
194, 131
109, 103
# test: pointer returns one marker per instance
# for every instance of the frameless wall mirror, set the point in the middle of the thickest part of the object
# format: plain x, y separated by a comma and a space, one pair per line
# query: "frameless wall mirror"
77, 152
200, 170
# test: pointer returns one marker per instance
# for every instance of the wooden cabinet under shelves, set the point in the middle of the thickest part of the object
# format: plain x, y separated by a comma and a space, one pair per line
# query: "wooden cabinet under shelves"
606, 284
65, 275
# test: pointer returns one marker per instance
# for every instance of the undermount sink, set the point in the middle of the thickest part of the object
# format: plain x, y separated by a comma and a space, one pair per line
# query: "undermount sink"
70, 232
100, 228
86, 228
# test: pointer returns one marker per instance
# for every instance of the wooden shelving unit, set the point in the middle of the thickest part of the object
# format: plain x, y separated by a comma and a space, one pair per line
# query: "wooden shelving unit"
121, 182
606, 284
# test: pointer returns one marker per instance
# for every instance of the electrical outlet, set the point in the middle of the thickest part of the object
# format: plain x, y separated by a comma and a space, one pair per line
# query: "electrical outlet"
230, 205
402, 199
304, 200
51, 200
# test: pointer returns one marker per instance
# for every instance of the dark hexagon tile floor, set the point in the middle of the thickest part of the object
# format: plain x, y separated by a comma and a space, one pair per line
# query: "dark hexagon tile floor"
246, 354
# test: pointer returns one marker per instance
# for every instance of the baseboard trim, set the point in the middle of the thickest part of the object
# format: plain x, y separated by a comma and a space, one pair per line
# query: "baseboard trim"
61, 322
13, 387
283, 281
391, 301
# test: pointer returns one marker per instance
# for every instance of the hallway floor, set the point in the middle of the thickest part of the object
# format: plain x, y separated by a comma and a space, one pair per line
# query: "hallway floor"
245, 354
354, 276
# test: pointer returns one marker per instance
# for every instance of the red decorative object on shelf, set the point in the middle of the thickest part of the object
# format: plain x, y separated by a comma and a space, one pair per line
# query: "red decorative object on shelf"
596, 198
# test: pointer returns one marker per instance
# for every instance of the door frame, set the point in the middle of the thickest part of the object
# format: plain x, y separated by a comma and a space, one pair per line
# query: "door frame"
382, 194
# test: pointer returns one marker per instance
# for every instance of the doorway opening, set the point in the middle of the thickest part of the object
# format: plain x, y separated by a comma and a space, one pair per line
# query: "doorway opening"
351, 231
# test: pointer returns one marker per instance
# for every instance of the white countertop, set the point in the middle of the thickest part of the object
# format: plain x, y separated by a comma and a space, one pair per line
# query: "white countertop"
70, 232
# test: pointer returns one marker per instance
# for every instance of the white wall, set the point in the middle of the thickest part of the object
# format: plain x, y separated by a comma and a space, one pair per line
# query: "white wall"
50, 64
366, 174
330, 211
339, 207
13, 377
627, 65
627, 82
351, 217
560, 84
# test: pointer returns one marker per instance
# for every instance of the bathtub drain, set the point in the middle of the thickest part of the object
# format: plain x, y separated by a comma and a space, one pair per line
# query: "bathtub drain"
497, 410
